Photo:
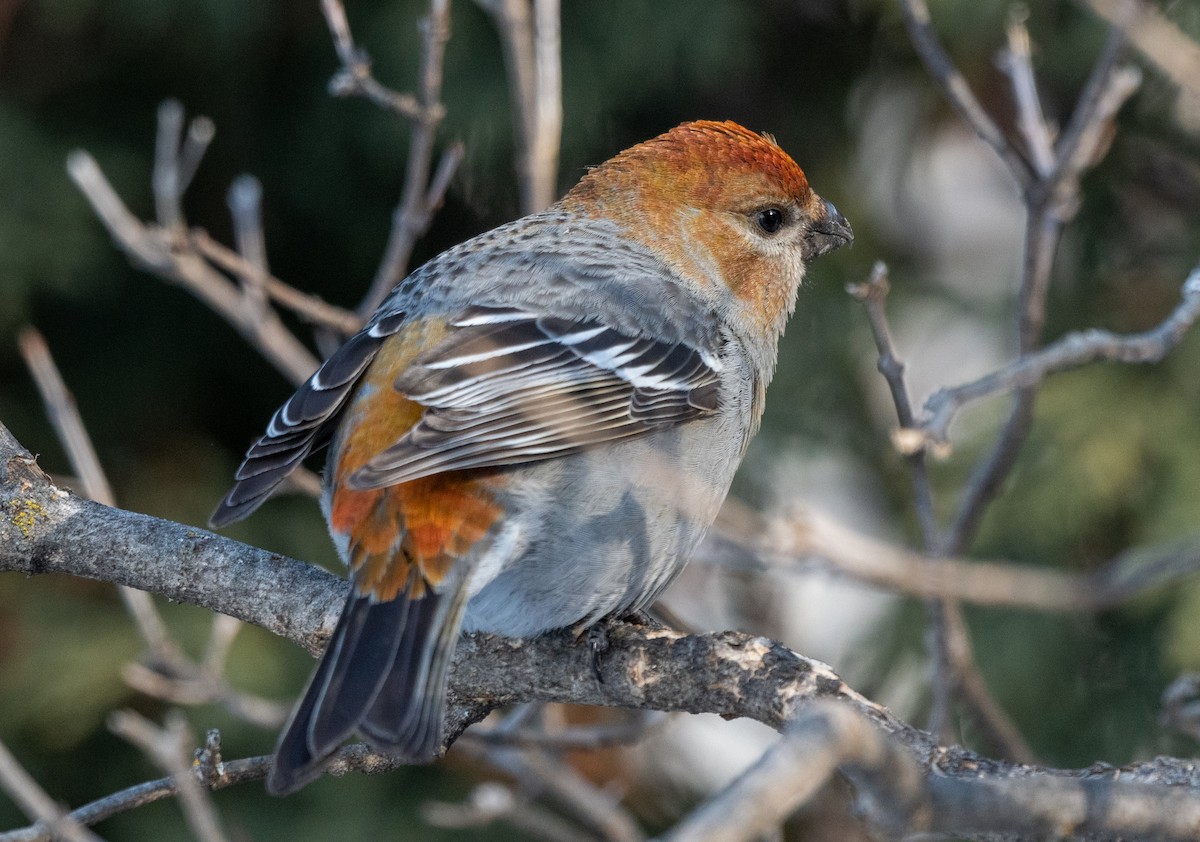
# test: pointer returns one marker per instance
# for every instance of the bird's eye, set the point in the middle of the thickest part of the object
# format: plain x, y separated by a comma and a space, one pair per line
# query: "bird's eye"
769, 220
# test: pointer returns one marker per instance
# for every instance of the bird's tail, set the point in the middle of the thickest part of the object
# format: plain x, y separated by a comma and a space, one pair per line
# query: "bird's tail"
382, 675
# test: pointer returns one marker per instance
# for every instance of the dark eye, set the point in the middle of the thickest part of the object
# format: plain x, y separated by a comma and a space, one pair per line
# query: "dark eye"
769, 220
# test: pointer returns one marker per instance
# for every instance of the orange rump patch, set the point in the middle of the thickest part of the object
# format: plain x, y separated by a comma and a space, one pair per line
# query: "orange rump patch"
407, 537
403, 538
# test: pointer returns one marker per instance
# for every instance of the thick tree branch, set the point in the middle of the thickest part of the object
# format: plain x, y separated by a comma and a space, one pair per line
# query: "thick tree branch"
46, 530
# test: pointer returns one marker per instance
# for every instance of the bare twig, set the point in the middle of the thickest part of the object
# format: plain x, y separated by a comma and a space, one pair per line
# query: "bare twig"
1051, 202
1018, 62
806, 542
245, 206
872, 294
575, 738
530, 35
412, 218
170, 675
354, 76
36, 804
1072, 351
542, 774
421, 195
546, 775
958, 92
154, 248
1181, 705
170, 748
547, 135
987, 477
953, 793
213, 776
823, 740
1156, 37
898, 797
308, 307
64, 416
1086, 137
491, 802
996, 727
182, 683
234, 772
177, 157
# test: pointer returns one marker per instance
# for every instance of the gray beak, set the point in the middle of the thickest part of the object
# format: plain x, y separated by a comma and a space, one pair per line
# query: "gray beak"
826, 234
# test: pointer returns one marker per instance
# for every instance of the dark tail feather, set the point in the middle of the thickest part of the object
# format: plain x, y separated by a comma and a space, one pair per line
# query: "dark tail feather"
384, 675
406, 716
356, 664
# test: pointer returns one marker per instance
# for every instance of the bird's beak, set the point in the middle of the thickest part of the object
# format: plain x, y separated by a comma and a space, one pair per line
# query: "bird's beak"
826, 233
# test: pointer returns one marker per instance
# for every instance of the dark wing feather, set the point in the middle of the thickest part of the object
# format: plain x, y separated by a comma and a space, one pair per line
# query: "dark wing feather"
514, 386
301, 425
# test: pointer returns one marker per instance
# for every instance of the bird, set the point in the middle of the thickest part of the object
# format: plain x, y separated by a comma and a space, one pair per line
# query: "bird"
535, 428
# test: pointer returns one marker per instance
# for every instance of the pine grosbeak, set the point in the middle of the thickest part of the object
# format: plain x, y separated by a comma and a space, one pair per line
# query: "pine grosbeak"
537, 427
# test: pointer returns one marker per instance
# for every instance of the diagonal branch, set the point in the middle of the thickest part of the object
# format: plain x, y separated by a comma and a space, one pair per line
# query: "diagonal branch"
46, 530
37, 804
310, 308
169, 748
64, 417
954, 85
807, 542
422, 193
1069, 352
155, 248
1157, 38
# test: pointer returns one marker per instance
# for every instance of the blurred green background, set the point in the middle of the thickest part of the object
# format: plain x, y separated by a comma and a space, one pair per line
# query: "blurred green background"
172, 395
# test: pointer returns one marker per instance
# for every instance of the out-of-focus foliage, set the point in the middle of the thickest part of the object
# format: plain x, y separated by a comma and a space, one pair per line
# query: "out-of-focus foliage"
172, 396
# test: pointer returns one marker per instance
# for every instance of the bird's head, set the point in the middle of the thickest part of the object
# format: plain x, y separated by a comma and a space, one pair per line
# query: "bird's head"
722, 205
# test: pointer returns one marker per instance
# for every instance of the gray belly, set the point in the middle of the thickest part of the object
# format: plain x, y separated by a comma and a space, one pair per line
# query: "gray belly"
603, 531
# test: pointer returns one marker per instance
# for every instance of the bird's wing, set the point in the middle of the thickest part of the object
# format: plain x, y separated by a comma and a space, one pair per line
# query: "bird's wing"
304, 423
508, 385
